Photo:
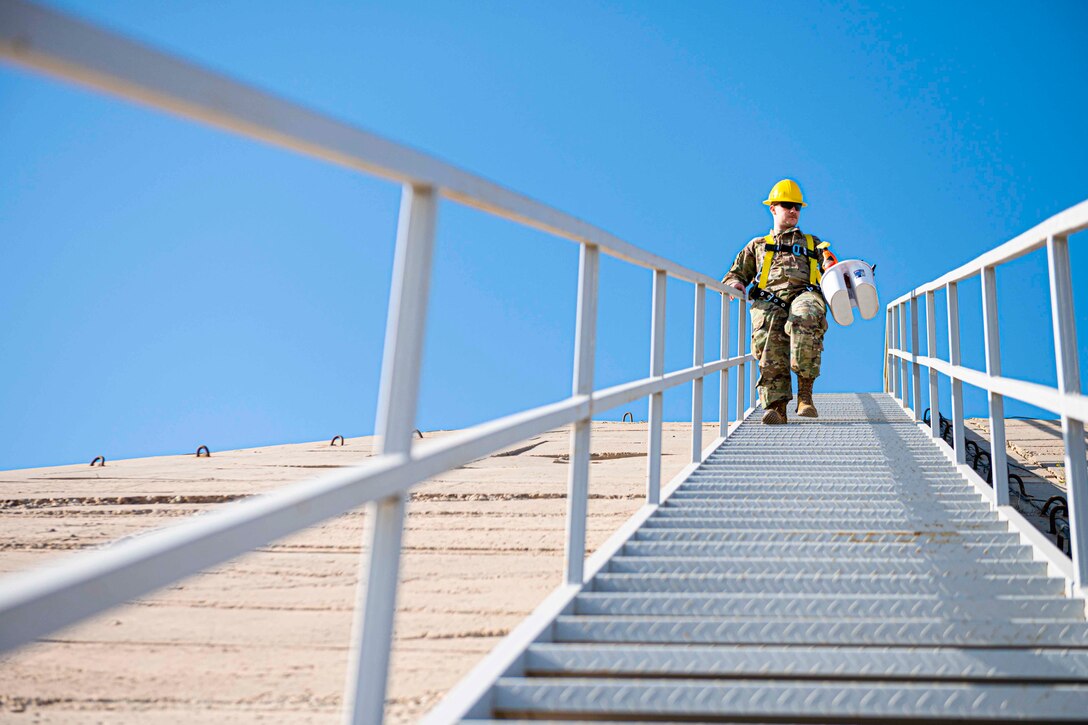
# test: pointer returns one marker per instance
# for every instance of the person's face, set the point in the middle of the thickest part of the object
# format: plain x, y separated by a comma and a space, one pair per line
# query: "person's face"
785, 214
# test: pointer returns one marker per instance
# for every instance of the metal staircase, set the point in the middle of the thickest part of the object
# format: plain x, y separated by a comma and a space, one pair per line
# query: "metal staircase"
831, 570
846, 569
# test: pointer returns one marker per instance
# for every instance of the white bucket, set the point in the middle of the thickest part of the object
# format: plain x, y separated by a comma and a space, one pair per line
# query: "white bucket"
847, 285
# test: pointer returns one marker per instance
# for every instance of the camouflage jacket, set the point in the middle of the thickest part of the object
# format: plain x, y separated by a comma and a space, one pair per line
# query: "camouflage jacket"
789, 273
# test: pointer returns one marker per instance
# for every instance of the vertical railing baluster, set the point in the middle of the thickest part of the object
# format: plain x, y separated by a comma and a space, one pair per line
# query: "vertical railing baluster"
372, 632
931, 351
952, 292
916, 370
893, 381
999, 471
903, 376
893, 372
753, 375
580, 440
896, 392
697, 384
657, 369
888, 387
742, 345
723, 391
1068, 367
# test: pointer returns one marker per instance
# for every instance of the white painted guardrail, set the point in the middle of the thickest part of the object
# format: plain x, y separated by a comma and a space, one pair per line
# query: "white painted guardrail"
36, 603
904, 360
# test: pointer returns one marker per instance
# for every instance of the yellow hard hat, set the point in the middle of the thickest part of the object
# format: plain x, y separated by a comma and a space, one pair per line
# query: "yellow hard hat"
785, 190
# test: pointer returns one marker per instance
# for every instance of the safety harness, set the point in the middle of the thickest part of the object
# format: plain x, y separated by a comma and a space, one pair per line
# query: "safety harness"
808, 249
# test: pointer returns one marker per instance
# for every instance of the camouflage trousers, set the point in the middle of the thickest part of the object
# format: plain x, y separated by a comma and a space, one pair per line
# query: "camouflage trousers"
783, 341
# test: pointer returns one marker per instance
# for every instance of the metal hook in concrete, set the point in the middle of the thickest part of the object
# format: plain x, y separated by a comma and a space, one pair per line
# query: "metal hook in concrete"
418, 432
1052, 500
1054, 513
337, 438
989, 465
972, 457
628, 413
207, 453
100, 460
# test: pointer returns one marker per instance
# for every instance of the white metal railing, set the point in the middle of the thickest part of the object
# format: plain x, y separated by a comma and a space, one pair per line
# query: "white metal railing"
35, 603
903, 367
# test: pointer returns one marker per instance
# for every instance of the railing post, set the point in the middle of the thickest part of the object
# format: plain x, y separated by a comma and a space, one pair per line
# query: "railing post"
742, 345
896, 392
372, 631
952, 292
698, 358
916, 370
723, 390
657, 369
578, 475
753, 375
931, 351
999, 470
888, 388
1065, 356
903, 377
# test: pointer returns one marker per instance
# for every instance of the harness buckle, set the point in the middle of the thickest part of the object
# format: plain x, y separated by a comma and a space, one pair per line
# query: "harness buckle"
768, 296
799, 250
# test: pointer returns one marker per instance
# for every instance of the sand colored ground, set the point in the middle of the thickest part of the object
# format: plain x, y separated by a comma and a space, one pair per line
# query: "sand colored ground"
1036, 445
1036, 454
264, 638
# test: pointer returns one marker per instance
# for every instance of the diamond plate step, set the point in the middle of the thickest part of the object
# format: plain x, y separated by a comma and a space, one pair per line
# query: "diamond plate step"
785, 567
763, 584
713, 701
801, 457
790, 535
874, 509
766, 502
776, 484
843, 523
854, 606
973, 553
728, 630
801, 496
859, 471
887, 663
762, 496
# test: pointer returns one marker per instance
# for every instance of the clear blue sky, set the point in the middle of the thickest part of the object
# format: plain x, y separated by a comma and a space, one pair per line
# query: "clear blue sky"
168, 285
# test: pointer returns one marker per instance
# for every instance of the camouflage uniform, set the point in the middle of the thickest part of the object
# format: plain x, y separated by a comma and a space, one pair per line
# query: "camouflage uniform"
782, 342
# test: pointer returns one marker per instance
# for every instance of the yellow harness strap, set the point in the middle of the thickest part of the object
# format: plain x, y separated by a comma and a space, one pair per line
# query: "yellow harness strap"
765, 268
814, 274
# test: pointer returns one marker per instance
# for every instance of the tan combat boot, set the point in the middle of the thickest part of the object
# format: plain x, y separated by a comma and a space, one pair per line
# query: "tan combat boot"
776, 414
805, 408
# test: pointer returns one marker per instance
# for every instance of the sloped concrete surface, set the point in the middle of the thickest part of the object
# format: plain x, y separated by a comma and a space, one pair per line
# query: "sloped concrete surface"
264, 638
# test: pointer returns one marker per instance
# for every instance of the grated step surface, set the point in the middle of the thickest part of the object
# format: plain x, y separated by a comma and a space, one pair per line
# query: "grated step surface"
837, 551
715, 701
792, 607
901, 663
832, 570
752, 566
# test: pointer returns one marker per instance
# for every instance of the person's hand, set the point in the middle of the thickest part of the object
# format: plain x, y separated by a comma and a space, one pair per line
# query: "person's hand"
738, 286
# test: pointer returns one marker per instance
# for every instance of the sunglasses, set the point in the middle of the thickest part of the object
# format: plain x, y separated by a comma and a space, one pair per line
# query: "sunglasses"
789, 205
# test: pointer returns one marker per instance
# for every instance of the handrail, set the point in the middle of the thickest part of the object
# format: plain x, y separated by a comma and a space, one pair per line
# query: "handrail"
1064, 223
35, 603
1065, 399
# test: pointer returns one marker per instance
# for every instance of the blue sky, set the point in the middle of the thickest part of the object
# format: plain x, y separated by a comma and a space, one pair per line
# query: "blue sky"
169, 285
